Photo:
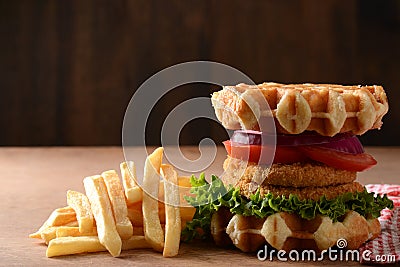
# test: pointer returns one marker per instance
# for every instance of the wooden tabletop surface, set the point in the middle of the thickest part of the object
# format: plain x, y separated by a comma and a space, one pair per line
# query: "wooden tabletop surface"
34, 182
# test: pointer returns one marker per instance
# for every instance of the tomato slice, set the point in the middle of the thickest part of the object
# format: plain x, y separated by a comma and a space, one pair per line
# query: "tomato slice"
288, 155
252, 153
338, 159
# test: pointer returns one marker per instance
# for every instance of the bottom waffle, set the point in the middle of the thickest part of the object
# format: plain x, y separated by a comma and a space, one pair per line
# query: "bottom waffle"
288, 231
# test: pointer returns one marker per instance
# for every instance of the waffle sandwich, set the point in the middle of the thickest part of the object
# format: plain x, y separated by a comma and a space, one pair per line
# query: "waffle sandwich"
306, 196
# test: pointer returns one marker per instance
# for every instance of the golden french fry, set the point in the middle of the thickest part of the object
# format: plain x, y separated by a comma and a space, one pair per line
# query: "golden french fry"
184, 181
74, 224
96, 192
135, 214
151, 222
38, 233
161, 192
187, 213
187, 210
80, 203
133, 192
128, 172
184, 189
172, 212
63, 231
117, 198
73, 245
59, 217
138, 231
62, 216
135, 242
48, 234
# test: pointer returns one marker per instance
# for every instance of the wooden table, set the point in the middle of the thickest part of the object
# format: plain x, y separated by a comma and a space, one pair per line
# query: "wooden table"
34, 182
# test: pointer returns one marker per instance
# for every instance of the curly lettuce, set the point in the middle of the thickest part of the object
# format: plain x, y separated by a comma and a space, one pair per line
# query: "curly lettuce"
210, 197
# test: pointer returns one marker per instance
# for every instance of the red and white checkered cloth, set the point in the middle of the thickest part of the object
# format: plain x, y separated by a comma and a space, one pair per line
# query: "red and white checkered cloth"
385, 249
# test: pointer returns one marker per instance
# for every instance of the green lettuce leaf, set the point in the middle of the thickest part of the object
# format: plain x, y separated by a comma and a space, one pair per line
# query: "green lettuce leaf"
209, 197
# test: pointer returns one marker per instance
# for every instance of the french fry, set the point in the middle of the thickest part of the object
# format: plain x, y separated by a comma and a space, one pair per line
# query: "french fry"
74, 224
133, 192
62, 216
135, 214
135, 242
80, 203
63, 231
151, 222
48, 234
184, 181
59, 217
38, 233
134, 195
117, 198
128, 172
184, 189
161, 212
172, 212
138, 231
96, 192
187, 213
73, 245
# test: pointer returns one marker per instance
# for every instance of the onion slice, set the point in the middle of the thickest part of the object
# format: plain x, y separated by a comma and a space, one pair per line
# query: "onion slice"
349, 145
249, 137
344, 142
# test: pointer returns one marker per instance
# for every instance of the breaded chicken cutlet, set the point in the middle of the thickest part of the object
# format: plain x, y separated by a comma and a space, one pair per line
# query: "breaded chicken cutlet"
299, 174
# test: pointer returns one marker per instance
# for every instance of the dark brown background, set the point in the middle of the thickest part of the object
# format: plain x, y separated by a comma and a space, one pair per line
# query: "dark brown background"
69, 68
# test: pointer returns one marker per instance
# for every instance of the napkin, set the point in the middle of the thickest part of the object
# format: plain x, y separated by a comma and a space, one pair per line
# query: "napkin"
385, 249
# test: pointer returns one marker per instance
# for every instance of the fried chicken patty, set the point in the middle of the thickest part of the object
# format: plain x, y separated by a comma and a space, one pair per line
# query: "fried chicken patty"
293, 175
312, 192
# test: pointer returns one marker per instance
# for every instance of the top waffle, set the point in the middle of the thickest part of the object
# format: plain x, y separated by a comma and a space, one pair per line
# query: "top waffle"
325, 108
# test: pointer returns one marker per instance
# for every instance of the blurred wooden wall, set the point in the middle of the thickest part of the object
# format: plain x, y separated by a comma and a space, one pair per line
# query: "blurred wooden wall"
69, 68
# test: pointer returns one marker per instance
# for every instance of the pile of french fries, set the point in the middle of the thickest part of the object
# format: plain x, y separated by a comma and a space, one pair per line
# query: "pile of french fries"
114, 217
